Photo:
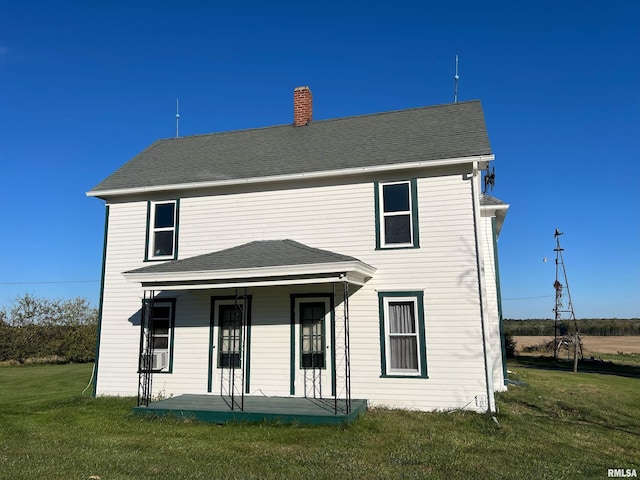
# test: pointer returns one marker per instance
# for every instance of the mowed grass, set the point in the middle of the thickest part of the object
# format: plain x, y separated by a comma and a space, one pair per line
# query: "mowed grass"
556, 425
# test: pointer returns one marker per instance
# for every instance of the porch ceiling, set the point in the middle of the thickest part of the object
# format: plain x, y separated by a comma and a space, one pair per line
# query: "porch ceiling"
260, 263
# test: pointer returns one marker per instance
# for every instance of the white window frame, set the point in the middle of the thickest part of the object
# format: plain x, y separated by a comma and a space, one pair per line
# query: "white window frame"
383, 215
390, 370
169, 335
152, 230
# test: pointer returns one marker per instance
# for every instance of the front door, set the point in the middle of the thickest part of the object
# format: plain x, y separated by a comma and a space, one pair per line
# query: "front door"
312, 356
228, 337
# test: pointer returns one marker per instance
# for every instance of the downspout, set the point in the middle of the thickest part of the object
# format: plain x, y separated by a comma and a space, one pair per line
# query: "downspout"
101, 302
482, 288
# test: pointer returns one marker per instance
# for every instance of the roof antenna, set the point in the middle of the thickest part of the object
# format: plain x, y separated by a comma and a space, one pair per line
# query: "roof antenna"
177, 119
456, 77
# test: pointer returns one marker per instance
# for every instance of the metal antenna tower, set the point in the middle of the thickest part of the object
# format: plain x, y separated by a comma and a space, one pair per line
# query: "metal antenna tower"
564, 309
456, 77
177, 119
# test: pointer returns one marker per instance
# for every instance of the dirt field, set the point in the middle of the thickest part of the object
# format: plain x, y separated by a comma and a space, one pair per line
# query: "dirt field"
590, 345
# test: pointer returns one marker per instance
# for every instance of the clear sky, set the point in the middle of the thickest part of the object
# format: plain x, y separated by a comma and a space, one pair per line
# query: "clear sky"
85, 86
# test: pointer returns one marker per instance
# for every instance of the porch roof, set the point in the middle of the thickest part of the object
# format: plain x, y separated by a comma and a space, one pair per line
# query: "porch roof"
258, 263
494, 207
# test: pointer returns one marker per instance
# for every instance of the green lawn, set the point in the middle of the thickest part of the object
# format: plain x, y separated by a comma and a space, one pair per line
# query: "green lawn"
632, 359
556, 425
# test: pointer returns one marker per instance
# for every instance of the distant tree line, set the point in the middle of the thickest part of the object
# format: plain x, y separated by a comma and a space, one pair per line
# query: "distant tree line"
590, 326
40, 330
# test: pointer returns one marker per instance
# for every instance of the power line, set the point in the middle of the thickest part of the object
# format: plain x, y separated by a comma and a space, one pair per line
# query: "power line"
528, 298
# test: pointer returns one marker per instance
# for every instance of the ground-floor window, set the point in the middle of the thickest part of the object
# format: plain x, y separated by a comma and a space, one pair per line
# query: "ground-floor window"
157, 334
402, 335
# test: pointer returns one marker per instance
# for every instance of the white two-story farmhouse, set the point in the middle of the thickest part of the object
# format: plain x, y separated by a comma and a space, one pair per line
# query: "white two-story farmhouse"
353, 258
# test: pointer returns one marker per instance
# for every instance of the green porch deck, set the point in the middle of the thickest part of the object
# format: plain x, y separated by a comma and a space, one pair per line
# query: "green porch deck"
217, 409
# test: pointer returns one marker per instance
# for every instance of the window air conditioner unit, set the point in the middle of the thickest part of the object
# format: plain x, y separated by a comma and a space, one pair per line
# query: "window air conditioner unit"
159, 360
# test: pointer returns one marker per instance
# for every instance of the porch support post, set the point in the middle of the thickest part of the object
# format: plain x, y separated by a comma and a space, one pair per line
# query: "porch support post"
232, 360
145, 373
342, 337
239, 340
347, 353
245, 334
334, 351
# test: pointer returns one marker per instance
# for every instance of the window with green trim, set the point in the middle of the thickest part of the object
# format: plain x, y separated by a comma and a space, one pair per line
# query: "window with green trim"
402, 339
162, 230
397, 216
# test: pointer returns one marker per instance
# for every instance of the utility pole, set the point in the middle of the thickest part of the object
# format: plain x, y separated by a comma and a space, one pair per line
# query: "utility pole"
561, 311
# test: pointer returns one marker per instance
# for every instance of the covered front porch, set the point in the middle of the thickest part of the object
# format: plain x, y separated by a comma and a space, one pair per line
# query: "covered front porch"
286, 410
277, 304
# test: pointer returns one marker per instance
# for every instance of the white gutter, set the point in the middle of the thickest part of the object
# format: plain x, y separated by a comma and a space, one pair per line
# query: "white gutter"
294, 176
498, 211
352, 267
349, 277
482, 287
488, 208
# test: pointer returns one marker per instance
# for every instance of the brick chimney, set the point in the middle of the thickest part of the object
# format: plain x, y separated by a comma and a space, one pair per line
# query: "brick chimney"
302, 106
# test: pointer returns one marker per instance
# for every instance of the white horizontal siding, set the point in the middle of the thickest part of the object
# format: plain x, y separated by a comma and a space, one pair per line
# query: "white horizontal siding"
120, 327
322, 217
493, 314
339, 218
270, 339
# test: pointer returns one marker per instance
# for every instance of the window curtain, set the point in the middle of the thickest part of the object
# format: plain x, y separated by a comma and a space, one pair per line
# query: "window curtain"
402, 336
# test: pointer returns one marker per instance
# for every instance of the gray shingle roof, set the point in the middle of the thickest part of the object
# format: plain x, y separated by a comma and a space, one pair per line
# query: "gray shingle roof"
489, 200
419, 134
258, 254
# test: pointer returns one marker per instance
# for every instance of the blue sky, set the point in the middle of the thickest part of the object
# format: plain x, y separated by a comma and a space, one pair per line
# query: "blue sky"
85, 86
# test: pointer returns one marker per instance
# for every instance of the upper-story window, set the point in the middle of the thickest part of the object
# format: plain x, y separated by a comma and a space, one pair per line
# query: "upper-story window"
397, 214
162, 230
